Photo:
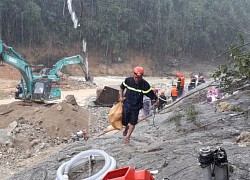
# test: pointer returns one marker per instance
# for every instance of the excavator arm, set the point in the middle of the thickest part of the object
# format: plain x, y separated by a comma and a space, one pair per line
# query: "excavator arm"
11, 57
35, 89
78, 59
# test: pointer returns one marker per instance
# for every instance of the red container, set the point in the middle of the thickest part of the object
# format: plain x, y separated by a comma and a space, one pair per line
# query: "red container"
143, 175
128, 173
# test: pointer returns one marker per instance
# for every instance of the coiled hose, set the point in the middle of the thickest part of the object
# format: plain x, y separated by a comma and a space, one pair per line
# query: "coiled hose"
64, 169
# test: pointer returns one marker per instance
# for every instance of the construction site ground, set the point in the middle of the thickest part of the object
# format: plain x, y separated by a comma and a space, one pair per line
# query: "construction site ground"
42, 129
42, 135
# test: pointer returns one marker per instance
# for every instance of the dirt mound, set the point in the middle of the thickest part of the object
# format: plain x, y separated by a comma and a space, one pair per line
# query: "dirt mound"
29, 131
62, 119
59, 120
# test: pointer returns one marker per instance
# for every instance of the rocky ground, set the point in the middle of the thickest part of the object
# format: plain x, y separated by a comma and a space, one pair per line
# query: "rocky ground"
28, 133
171, 145
37, 139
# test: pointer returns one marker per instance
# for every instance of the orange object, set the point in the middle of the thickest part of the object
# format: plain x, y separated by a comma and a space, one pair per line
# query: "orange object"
138, 71
182, 81
128, 173
143, 175
179, 75
174, 91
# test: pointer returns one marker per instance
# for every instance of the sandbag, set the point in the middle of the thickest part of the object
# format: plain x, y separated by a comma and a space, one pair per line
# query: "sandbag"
115, 116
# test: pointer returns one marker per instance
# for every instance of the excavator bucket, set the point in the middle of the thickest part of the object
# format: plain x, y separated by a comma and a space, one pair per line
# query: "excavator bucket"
108, 96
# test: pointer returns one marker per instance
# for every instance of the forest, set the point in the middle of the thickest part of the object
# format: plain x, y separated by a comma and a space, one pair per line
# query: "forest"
196, 28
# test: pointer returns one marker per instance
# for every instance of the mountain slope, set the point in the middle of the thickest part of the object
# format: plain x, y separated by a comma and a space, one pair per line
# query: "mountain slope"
170, 146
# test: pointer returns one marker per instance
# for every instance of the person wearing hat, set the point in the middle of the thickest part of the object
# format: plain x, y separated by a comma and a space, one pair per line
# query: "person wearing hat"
174, 93
180, 83
155, 90
162, 99
132, 99
192, 83
200, 80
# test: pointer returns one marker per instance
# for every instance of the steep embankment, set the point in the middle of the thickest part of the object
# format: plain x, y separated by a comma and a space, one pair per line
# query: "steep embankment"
171, 146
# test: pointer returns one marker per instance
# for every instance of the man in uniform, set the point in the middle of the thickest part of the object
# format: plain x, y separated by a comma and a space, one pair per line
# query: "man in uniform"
132, 99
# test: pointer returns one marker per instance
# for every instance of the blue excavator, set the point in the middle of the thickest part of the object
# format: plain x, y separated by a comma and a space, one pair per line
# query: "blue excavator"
53, 73
38, 89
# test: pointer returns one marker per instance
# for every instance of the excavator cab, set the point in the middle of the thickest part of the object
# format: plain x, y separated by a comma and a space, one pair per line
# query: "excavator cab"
43, 90
45, 71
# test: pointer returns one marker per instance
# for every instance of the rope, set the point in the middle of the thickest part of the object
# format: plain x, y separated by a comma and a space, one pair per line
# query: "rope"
162, 99
187, 95
170, 105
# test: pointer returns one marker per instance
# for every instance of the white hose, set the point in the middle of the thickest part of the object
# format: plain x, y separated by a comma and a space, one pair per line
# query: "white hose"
64, 169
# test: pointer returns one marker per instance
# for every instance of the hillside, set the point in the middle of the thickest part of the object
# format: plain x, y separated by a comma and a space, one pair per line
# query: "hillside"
43, 135
172, 145
164, 37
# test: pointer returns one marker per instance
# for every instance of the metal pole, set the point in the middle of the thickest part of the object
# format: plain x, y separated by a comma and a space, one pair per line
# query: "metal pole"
22, 25
22, 28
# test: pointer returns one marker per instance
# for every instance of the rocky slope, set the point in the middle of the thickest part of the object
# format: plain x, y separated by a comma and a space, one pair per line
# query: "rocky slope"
171, 144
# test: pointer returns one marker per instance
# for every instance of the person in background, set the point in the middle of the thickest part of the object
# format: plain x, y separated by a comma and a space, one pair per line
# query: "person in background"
192, 84
174, 93
200, 80
155, 90
180, 84
19, 90
135, 87
147, 105
162, 100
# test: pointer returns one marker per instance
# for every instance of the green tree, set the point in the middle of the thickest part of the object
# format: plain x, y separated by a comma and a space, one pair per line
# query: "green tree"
110, 26
158, 27
236, 72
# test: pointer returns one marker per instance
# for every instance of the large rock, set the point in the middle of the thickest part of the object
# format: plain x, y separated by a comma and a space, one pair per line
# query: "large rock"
243, 139
5, 137
71, 99
223, 106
